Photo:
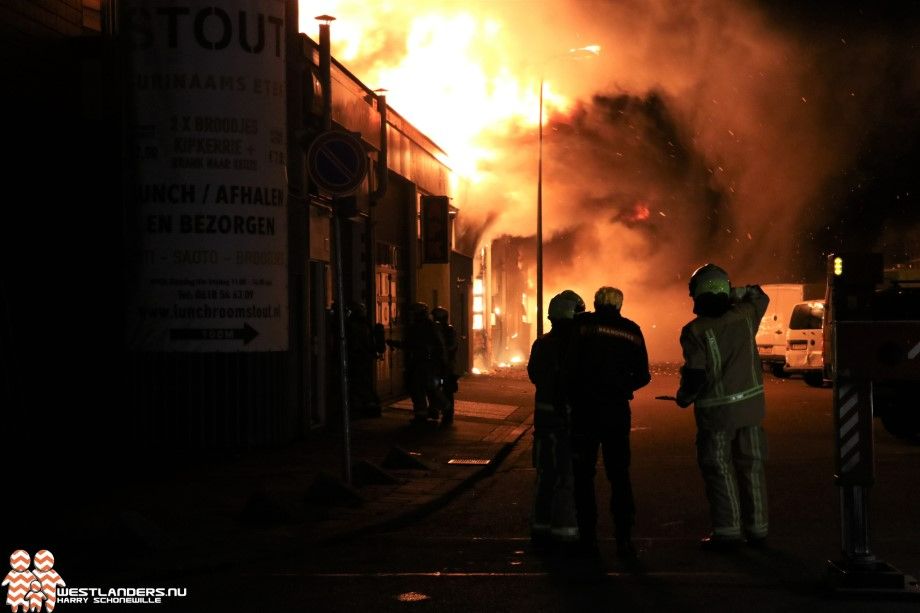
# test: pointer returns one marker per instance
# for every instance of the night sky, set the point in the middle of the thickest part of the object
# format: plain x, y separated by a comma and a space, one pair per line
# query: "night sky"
872, 203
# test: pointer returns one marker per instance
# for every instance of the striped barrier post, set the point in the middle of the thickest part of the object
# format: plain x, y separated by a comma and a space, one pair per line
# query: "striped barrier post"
865, 352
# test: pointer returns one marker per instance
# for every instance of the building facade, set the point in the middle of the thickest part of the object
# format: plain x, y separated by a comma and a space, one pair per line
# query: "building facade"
183, 266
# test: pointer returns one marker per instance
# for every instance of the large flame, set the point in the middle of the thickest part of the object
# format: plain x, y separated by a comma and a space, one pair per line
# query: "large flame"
456, 74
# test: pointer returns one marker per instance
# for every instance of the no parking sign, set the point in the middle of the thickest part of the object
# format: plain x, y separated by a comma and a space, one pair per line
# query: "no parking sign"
337, 162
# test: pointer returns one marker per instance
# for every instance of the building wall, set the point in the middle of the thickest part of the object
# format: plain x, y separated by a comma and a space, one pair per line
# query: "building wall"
416, 166
461, 309
60, 287
394, 233
62, 328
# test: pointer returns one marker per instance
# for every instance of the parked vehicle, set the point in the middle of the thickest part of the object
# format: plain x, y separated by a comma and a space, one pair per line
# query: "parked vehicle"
805, 342
771, 335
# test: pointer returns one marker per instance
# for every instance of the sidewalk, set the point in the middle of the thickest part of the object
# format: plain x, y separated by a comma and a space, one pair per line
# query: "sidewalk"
271, 503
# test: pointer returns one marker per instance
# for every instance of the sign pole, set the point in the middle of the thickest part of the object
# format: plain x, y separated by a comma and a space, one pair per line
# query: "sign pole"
335, 165
343, 342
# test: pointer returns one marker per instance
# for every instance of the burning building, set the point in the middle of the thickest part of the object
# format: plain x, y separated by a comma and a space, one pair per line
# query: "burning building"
669, 149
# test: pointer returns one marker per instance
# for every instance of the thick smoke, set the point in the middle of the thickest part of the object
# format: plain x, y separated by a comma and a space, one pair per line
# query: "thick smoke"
722, 138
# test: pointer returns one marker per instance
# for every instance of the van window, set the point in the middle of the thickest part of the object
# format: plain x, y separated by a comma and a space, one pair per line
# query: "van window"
807, 317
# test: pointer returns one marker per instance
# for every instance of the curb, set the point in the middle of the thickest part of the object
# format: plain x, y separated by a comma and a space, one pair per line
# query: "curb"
431, 503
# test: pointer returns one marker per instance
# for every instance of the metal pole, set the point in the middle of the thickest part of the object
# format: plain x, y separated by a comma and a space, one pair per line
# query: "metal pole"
540, 223
343, 343
325, 60
592, 50
325, 69
854, 503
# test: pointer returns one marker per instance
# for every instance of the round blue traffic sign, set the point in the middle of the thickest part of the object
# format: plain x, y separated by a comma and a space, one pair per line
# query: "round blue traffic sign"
337, 162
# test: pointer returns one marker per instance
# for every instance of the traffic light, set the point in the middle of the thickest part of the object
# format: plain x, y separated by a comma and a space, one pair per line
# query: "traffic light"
852, 278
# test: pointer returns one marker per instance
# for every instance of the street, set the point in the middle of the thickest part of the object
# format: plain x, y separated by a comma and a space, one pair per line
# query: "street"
475, 554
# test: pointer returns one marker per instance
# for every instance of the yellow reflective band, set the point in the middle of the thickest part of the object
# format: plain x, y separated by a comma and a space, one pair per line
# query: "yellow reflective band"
567, 533
716, 361
732, 398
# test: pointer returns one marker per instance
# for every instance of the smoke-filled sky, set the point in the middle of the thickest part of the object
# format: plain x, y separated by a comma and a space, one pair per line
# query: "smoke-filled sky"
758, 135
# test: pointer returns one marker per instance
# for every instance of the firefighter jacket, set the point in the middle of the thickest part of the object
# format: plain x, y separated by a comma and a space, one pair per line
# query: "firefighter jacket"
721, 374
450, 345
424, 346
545, 370
606, 362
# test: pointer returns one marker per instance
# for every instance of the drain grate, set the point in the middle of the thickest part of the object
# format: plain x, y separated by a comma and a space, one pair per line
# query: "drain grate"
469, 461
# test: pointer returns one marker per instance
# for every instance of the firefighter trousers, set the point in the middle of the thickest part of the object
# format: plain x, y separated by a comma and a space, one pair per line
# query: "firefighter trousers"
732, 465
554, 501
613, 442
424, 387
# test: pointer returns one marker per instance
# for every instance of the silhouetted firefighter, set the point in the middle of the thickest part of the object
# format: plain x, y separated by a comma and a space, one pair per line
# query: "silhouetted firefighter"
449, 383
553, 519
607, 362
426, 363
363, 351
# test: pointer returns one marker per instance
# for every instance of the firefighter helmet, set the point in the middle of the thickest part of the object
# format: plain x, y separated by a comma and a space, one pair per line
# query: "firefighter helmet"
440, 314
608, 296
358, 310
571, 295
418, 311
561, 307
709, 279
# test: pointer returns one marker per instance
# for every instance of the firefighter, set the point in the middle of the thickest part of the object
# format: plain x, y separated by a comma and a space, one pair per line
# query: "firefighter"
569, 294
425, 363
553, 518
442, 317
607, 362
721, 377
362, 357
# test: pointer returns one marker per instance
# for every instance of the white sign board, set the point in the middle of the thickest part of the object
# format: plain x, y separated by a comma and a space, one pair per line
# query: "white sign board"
206, 197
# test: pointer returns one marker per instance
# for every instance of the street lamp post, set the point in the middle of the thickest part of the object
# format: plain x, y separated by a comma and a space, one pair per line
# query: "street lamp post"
588, 51
540, 222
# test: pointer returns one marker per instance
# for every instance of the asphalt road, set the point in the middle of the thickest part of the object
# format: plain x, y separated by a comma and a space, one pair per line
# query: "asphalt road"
475, 554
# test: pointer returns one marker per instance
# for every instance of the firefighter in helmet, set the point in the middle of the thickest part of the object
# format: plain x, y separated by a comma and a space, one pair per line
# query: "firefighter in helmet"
607, 362
569, 294
425, 363
553, 518
721, 377
441, 316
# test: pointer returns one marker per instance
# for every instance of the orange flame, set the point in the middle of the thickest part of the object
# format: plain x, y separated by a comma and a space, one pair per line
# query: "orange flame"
454, 74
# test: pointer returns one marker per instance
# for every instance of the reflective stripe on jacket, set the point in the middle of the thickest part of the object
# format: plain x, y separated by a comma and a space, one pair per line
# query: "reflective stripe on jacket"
725, 349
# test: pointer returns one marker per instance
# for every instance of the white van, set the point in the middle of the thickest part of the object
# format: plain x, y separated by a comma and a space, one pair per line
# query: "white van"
771, 335
805, 342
